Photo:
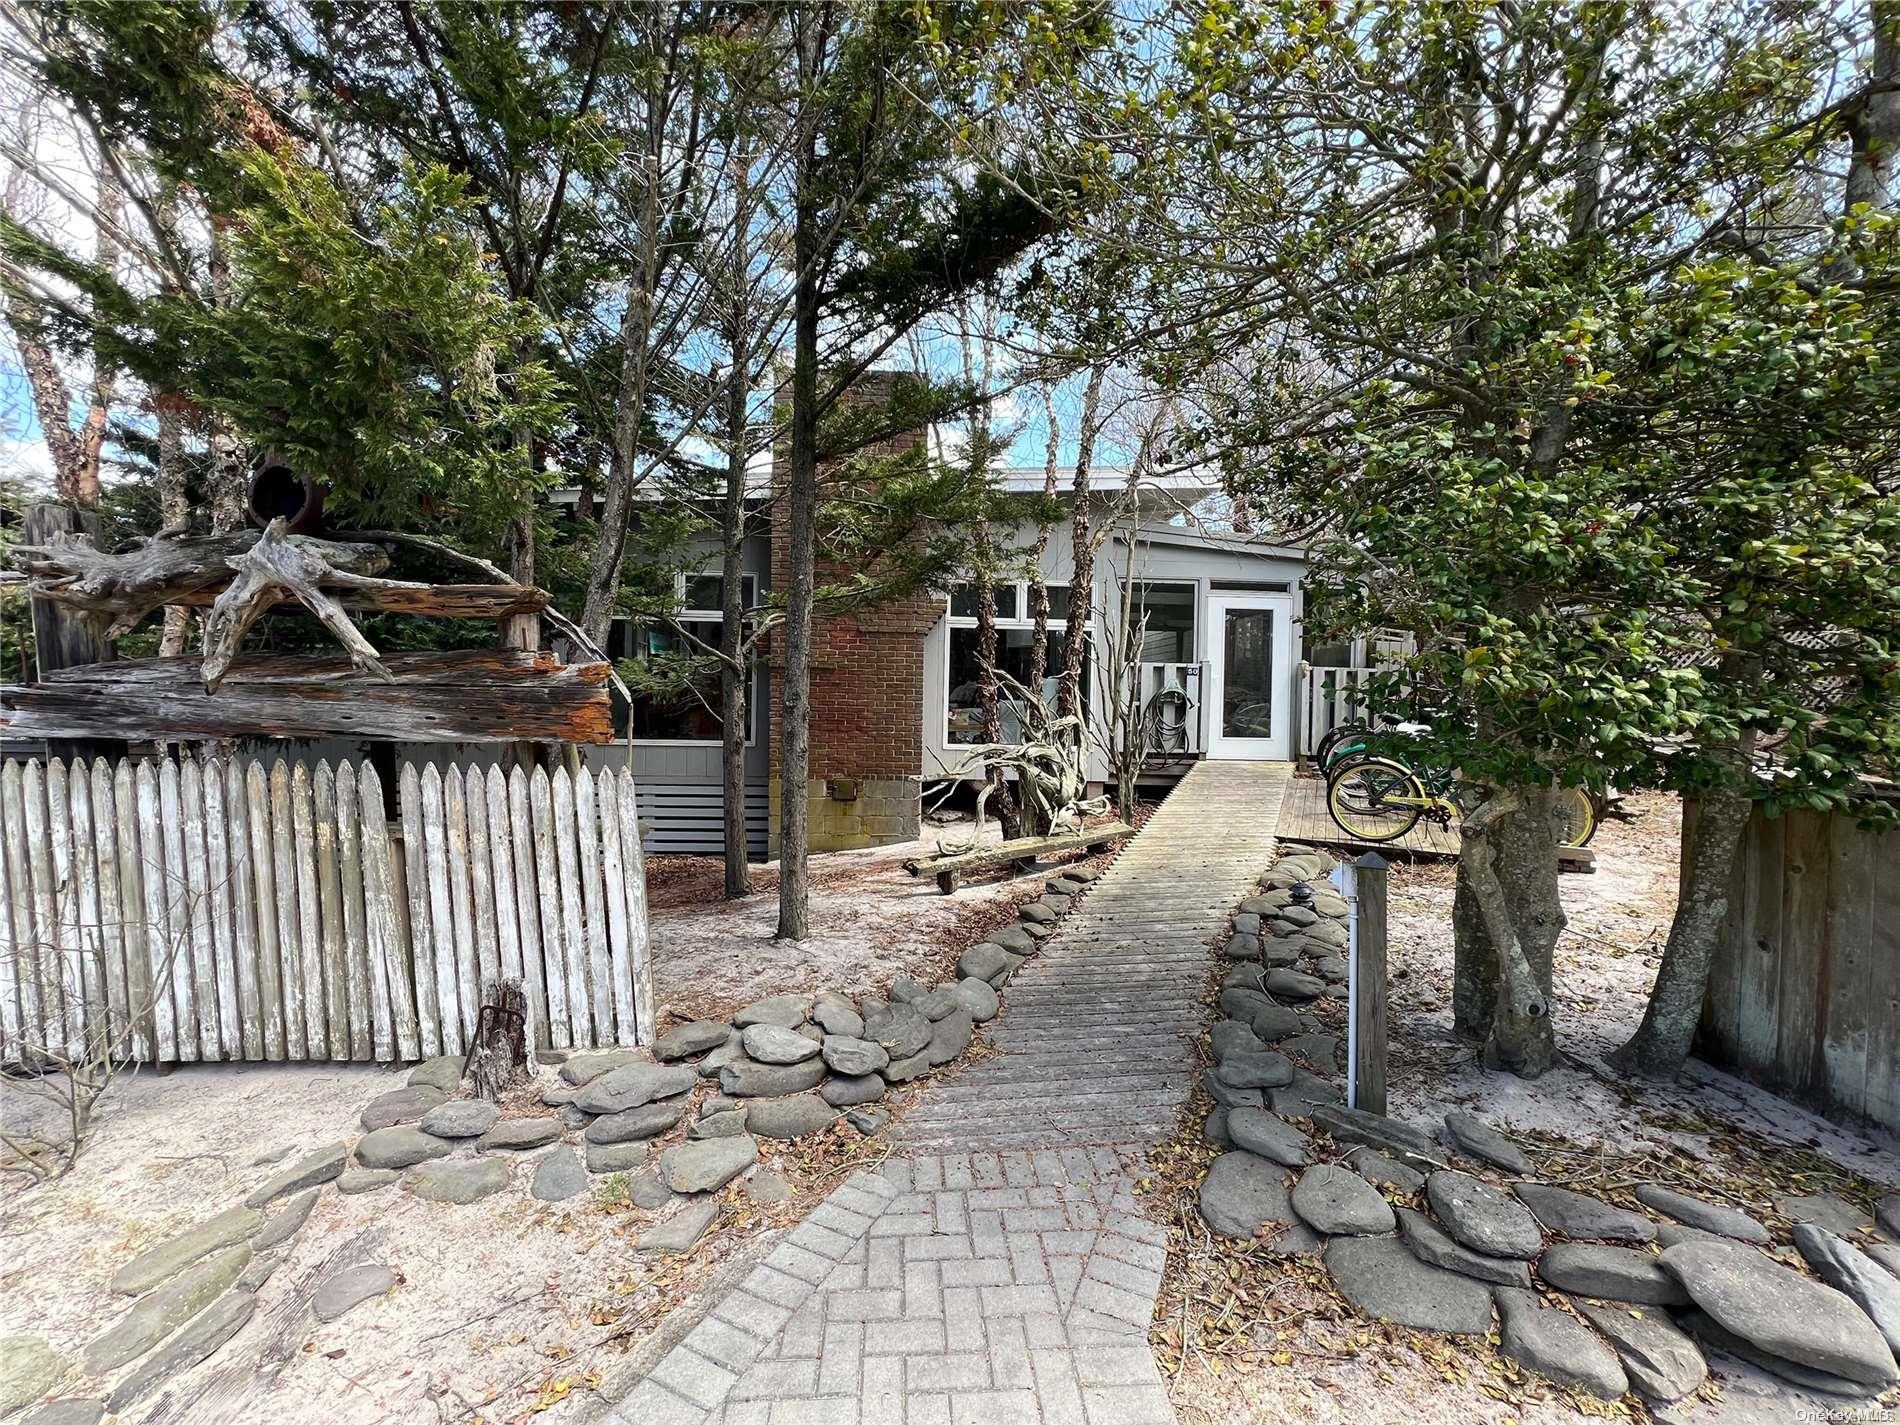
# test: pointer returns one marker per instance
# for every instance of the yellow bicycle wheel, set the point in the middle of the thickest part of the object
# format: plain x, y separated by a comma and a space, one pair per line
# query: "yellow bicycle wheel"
1576, 817
1375, 800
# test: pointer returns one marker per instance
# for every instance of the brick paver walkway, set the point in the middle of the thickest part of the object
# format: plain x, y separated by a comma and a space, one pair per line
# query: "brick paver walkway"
997, 1270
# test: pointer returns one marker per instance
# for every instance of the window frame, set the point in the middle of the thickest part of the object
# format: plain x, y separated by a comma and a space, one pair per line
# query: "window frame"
953, 621
748, 586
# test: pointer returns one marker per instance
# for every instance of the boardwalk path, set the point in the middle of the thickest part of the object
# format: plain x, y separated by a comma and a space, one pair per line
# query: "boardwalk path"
997, 1270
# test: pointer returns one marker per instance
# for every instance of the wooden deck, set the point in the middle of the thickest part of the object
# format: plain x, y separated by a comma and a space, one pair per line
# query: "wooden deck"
1303, 817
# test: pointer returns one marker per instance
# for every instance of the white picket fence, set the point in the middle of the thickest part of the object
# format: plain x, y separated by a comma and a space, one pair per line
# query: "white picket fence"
229, 909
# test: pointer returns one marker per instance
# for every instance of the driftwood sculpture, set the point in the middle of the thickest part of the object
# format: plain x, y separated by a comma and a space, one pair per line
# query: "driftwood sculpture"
244, 574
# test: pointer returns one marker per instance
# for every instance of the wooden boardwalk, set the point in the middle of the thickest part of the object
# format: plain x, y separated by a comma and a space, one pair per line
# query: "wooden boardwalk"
1303, 817
1098, 1036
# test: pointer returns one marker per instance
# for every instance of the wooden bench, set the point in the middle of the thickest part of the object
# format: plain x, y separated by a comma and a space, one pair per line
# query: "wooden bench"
1019, 854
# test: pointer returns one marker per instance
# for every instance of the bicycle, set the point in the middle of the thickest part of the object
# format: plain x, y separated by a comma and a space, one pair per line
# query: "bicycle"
1380, 799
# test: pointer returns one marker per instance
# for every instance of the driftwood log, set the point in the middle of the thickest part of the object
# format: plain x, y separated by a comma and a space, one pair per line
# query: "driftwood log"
243, 575
498, 1059
478, 695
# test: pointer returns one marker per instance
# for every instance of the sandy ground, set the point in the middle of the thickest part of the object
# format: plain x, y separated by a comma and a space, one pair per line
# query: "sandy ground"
508, 1307
1250, 1338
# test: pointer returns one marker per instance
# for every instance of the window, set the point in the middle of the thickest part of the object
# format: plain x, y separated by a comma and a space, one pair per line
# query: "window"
694, 712
1168, 635
1015, 641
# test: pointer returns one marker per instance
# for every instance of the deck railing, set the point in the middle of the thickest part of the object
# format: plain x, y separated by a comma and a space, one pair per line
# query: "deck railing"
1328, 697
1174, 708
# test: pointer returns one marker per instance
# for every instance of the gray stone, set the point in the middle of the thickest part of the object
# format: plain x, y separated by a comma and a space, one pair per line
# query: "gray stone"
1855, 1275
681, 1231
939, 1002
575, 1117
615, 1157
949, 1037
1246, 923
399, 1147
1482, 1217
552, 1058
835, 1014
28, 1369
1328, 934
649, 1120
1294, 984
1470, 1134
1038, 932
1885, 1253
1242, 1195
585, 1068
286, 1222
1281, 954
442, 1073
464, 1180
311, 1170
1037, 913
1265, 904
1056, 898
207, 1331
341, 1291
1381, 1277
1709, 1216
785, 1011
1887, 1214
404, 1105
559, 1095
162, 1311
1232, 1036
358, 1180
647, 1190
709, 1165
848, 1091
1271, 1137
1781, 1312
1611, 1274
767, 1187
461, 1118
719, 1103
1824, 1209
1338, 1202
1715, 1337
1214, 1130
868, 1121
1321, 1051
729, 1124
1575, 1214
683, 1041
1080, 874
977, 1000
70, 1411
1332, 969
854, 1057
1262, 1070
747, 1078
769, 1044
1380, 1170
1296, 916
1671, 1234
516, 1135
794, 1116
1011, 964
558, 1176
981, 962
1014, 939
1242, 947
1227, 1096
631, 1085
1431, 1246
168, 1258
902, 1032
1558, 1347
731, 1052
1390, 1136
905, 990
1661, 1361
902, 1071
1243, 1004
811, 1032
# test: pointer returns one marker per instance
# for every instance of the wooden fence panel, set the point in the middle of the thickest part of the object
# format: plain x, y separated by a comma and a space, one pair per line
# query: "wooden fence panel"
224, 909
1804, 992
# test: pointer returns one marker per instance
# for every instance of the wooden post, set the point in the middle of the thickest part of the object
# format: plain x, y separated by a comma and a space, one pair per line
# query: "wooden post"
61, 636
1369, 983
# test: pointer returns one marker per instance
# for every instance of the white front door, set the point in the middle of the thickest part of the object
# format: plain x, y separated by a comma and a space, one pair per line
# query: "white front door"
1250, 677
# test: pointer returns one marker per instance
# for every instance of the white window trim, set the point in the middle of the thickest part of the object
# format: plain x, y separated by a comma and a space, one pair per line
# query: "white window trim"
748, 587
954, 621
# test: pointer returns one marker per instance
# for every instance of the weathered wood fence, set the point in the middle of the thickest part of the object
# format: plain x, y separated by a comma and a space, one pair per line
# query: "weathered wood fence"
1804, 992
229, 909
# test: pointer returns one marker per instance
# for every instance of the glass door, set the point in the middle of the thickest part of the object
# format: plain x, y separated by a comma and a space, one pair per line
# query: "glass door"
1250, 697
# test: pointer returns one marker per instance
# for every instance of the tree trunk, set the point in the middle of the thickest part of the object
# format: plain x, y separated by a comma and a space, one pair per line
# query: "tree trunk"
173, 513
734, 681
1082, 545
1508, 885
1660, 1046
498, 1059
1039, 593
230, 463
794, 884
987, 702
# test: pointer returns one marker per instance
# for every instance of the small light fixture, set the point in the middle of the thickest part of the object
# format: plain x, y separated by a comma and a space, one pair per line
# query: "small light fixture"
1302, 894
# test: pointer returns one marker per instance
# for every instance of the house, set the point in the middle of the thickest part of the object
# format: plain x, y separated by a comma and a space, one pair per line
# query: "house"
1223, 673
